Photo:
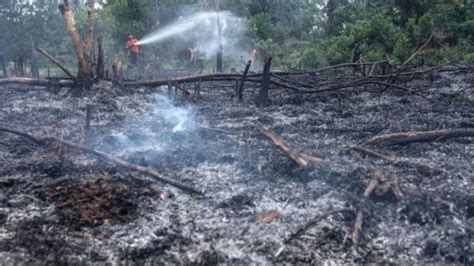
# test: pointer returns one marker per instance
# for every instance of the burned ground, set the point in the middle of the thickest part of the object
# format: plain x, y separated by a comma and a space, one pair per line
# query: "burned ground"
58, 205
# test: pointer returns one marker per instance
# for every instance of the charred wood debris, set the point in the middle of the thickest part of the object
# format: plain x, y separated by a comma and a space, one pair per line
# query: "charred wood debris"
100, 198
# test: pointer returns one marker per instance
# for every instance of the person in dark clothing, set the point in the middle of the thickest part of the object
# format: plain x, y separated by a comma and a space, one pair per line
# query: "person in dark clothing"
356, 58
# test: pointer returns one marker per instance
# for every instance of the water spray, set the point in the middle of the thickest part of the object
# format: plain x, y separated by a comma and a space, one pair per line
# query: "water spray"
184, 25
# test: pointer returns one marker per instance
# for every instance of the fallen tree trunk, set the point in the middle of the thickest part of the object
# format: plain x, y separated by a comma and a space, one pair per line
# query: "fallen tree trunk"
301, 159
196, 78
348, 84
292, 81
322, 69
41, 140
36, 82
420, 136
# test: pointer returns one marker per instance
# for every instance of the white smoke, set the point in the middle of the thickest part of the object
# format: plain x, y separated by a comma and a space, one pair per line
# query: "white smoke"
180, 118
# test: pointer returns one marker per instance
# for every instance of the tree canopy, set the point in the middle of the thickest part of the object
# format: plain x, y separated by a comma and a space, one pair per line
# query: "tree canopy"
303, 33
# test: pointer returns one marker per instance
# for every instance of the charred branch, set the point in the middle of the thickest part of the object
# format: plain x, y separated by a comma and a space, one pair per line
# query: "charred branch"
37, 82
313, 222
357, 229
420, 136
56, 62
301, 159
43, 140
244, 77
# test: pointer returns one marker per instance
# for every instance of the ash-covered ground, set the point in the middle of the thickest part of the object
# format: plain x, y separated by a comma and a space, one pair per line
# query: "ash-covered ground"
58, 205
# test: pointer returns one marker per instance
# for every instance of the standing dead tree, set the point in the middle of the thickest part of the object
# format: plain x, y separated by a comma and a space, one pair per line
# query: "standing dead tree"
82, 48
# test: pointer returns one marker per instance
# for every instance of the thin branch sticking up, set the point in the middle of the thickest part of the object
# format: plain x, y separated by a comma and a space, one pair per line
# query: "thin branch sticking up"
56, 62
402, 66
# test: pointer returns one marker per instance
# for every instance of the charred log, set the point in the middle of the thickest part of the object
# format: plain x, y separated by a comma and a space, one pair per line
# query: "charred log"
37, 82
421, 136
43, 140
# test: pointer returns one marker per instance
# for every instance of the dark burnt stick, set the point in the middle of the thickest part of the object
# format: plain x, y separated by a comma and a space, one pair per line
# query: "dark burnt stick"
421, 136
313, 222
393, 160
144, 170
87, 126
372, 153
244, 77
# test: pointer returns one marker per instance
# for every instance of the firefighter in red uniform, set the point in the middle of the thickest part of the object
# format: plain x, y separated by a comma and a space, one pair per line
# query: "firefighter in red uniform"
133, 49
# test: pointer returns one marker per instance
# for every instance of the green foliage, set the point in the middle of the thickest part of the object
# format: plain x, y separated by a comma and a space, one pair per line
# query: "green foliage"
469, 58
340, 49
309, 33
402, 50
261, 26
312, 58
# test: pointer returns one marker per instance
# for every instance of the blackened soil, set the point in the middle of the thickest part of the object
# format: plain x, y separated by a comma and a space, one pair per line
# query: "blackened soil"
62, 206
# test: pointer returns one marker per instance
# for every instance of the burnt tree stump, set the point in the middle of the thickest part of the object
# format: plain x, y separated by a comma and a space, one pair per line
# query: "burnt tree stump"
262, 98
117, 72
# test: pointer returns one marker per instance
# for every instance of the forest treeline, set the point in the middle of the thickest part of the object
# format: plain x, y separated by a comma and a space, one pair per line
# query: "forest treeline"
302, 33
